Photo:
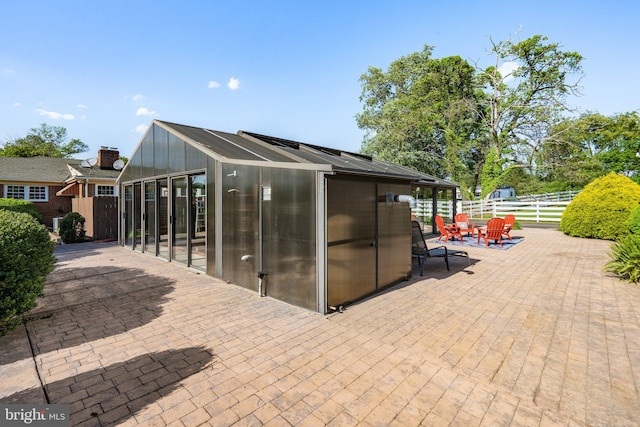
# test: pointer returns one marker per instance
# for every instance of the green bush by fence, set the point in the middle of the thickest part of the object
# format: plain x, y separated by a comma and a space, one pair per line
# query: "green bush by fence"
602, 209
26, 257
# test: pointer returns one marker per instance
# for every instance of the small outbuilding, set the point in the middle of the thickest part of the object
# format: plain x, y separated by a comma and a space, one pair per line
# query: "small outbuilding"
313, 226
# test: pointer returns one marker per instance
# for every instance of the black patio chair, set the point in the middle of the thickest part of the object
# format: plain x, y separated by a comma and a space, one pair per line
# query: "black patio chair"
421, 251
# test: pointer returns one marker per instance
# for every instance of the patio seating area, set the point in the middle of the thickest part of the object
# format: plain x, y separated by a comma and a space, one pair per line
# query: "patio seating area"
538, 335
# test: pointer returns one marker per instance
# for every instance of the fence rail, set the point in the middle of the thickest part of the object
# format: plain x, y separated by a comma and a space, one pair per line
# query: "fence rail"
531, 211
547, 207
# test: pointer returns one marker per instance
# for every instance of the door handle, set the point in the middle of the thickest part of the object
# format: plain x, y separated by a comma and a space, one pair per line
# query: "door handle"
374, 244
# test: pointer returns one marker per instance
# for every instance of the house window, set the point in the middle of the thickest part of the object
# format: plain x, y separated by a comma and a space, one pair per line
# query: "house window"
105, 190
14, 191
38, 193
33, 193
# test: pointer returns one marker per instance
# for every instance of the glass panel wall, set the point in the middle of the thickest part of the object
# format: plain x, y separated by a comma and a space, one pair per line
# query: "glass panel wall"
196, 159
444, 205
163, 219
165, 206
161, 150
150, 217
179, 220
176, 159
198, 223
147, 155
128, 218
137, 215
423, 212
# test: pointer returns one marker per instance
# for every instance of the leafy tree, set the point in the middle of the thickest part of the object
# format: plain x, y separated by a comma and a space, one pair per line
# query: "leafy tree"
617, 144
522, 105
444, 117
421, 113
589, 146
47, 141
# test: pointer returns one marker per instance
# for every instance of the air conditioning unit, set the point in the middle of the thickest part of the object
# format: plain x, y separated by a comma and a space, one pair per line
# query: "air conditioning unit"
56, 224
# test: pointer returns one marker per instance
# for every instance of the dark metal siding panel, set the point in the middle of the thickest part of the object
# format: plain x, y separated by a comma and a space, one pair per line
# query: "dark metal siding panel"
394, 235
289, 235
351, 237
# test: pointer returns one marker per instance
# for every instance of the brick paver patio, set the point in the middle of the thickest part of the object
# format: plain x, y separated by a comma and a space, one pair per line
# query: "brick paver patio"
538, 335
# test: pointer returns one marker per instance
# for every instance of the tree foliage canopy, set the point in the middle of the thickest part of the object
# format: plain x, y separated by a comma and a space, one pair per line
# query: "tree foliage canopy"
591, 145
449, 118
421, 113
46, 141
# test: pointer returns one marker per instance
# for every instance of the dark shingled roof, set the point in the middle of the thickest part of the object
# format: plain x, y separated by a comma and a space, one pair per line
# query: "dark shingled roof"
47, 169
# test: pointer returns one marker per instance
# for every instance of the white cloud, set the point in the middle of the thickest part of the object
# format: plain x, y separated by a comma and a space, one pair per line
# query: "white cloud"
141, 129
81, 106
507, 69
213, 84
143, 111
135, 98
55, 116
233, 83
17, 104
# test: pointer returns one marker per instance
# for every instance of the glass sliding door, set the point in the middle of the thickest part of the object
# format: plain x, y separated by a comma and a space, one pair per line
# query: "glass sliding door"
163, 218
128, 216
180, 220
198, 223
137, 215
168, 218
150, 217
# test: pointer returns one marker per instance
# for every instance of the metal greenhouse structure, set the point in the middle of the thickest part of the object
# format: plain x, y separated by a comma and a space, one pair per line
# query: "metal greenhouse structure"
313, 226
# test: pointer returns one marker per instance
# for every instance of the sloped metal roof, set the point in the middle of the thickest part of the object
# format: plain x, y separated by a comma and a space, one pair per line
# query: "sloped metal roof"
257, 147
227, 145
347, 162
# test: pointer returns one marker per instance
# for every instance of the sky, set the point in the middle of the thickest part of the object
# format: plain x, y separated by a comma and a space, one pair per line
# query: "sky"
105, 69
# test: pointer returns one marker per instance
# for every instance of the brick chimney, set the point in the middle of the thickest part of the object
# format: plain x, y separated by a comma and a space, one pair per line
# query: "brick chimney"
106, 157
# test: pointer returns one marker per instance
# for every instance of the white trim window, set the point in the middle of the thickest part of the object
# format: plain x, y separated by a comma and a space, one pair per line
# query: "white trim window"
32, 193
105, 190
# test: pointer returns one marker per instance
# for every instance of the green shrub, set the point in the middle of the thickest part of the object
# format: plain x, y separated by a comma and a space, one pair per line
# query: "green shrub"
23, 206
72, 228
26, 257
625, 258
634, 221
602, 208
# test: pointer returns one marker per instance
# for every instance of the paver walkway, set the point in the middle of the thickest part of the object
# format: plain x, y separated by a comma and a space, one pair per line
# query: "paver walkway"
538, 335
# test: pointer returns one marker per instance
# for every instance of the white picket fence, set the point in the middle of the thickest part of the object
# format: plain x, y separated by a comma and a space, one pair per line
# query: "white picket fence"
540, 208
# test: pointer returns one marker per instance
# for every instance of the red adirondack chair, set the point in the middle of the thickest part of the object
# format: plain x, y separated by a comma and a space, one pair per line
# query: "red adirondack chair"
493, 231
509, 222
447, 231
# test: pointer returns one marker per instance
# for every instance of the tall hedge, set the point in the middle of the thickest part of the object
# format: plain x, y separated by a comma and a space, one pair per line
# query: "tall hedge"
601, 210
23, 206
26, 257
